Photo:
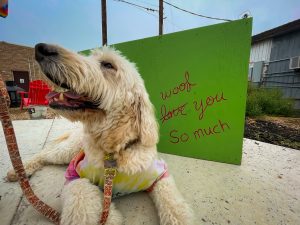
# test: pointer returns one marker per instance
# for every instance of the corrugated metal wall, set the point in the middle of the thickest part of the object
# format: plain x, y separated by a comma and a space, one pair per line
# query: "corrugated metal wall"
278, 73
261, 51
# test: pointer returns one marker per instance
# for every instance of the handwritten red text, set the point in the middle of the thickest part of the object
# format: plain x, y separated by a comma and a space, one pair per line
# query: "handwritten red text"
186, 85
182, 137
167, 114
202, 106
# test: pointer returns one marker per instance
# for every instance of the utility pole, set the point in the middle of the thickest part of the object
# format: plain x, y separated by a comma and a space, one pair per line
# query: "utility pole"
104, 23
161, 15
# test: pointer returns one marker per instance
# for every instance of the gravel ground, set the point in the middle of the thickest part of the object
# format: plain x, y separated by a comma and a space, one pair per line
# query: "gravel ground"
17, 114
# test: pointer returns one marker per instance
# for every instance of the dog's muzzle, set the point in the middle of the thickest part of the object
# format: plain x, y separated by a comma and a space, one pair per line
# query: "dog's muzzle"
45, 54
43, 51
66, 99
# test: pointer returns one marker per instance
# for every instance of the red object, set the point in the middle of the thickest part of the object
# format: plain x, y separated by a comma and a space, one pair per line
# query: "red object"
38, 89
3, 8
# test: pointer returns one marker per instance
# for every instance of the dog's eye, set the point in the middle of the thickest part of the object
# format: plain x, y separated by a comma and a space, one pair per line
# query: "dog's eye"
107, 65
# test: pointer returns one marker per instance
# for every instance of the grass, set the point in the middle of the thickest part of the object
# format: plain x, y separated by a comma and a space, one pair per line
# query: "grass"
262, 101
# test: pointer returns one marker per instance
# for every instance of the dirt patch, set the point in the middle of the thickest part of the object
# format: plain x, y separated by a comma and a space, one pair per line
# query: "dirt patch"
17, 114
275, 130
284, 121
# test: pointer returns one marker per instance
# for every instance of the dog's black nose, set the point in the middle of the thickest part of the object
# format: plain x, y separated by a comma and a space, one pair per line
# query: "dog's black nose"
43, 50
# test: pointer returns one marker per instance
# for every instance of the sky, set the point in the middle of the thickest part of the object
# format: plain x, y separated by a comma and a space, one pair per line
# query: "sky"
76, 24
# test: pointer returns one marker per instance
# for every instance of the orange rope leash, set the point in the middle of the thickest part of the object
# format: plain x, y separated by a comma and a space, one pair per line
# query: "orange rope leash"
43, 208
110, 172
15, 158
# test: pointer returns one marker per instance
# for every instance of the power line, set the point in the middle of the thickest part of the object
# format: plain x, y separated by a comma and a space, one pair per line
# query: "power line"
181, 9
143, 8
196, 14
145, 11
136, 5
165, 18
147, 3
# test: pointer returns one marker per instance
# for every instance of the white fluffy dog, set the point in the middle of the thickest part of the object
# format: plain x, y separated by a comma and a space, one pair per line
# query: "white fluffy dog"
106, 93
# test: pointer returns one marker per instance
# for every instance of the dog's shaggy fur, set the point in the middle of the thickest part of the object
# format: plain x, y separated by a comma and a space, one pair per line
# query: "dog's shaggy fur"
121, 114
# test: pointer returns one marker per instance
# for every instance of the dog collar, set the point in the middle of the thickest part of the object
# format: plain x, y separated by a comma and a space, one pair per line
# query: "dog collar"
110, 171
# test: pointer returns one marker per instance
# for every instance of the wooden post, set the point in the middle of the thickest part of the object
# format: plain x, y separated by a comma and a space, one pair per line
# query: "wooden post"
104, 23
161, 15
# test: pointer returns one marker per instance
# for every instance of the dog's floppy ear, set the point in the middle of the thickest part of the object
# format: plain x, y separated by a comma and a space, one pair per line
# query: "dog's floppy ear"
146, 122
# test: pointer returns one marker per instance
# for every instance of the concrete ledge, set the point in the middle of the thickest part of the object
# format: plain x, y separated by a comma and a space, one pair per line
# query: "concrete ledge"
264, 190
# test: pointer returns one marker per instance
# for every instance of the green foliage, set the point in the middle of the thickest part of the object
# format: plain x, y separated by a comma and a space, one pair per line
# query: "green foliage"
262, 101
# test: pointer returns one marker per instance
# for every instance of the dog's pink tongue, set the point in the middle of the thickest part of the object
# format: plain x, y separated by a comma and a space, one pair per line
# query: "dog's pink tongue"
68, 94
72, 95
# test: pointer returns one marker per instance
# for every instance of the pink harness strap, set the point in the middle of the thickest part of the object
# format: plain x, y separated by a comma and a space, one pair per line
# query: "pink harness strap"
71, 173
164, 175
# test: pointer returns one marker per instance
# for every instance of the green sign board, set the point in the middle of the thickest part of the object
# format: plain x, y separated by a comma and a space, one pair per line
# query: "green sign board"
197, 81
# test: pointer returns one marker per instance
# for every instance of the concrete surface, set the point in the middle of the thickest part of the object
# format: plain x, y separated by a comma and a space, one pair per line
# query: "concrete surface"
264, 190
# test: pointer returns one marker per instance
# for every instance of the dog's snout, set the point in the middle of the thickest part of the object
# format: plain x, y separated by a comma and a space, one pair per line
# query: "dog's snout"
43, 50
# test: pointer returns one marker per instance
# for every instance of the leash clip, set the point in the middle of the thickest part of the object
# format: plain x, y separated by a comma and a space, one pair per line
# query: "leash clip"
110, 172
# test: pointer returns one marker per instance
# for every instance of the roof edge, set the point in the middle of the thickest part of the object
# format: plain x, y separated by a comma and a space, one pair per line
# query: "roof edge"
277, 31
8, 43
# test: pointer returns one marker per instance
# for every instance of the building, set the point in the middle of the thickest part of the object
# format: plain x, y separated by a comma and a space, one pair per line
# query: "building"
17, 64
275, 60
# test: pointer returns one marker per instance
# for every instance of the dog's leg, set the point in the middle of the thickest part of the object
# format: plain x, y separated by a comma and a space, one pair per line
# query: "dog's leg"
82, 205
59, 152
171, 207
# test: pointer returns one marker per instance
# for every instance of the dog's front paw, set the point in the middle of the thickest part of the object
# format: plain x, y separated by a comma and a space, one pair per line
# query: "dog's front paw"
115, 217
179, 215
171, 207
11, 175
